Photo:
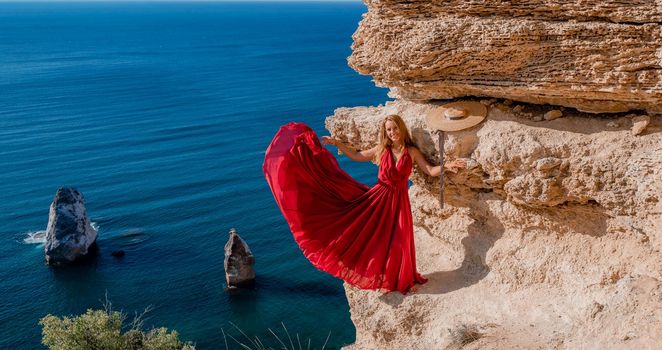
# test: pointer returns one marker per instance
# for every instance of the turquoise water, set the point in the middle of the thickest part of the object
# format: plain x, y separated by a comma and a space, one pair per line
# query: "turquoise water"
159, 113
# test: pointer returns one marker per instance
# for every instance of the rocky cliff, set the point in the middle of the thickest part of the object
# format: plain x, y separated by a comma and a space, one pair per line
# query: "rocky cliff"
551, 238
597, 56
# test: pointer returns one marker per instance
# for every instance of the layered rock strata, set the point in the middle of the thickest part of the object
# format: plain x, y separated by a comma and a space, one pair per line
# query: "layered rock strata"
550, 239
596, 56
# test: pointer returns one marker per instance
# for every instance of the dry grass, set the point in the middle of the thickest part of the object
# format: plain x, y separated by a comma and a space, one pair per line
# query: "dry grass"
256, 343
465, 334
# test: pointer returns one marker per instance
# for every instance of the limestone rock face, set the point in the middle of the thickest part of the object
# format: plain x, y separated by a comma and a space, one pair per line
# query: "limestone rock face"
69, 235
550, 238
639, 124
596, 56
238, 262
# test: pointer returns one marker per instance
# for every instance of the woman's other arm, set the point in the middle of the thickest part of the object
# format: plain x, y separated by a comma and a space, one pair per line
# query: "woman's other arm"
435, 170
359, 156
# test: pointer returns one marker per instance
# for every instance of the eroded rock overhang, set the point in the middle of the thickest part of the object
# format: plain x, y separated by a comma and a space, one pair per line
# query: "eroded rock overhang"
595, 56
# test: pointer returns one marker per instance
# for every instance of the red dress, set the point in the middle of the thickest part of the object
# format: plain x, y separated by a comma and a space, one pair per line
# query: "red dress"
362, 235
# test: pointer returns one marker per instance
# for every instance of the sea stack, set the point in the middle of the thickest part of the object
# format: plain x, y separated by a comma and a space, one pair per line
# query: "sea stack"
69, 235
238, 262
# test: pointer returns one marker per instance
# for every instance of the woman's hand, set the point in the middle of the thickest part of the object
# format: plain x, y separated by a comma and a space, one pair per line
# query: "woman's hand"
328, 140
455, 165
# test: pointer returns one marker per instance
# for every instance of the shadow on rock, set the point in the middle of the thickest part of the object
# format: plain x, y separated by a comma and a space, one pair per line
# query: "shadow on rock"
482, 234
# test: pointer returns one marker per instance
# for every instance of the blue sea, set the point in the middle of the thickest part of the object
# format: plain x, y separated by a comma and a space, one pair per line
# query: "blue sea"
160, 113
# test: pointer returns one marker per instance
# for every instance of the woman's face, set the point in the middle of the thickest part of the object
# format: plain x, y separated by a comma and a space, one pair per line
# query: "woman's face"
392, 131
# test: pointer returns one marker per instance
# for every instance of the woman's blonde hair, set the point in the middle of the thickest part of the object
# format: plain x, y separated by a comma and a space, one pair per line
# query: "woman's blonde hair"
385, 142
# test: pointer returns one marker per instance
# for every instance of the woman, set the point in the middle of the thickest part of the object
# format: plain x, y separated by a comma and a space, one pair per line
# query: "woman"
360, 234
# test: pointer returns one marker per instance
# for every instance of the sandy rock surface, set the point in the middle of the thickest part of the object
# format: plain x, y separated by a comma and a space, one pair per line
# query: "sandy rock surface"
639, 124
550, 239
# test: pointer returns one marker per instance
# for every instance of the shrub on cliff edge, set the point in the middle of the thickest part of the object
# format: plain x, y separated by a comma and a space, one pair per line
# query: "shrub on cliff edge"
102, 330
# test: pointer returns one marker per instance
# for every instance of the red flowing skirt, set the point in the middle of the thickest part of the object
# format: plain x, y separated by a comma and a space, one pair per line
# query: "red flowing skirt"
361, 234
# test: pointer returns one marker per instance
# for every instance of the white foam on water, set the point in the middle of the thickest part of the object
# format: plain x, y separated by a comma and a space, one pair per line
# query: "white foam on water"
35, 237
39, 237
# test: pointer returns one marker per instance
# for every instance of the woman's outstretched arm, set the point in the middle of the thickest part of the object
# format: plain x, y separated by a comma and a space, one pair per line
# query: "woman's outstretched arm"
435, 170
359, 156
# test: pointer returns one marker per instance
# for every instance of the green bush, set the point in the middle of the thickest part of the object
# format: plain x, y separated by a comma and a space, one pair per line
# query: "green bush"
102, 330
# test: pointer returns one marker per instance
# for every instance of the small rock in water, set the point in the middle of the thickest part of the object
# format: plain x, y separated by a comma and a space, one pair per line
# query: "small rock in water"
238, 263
537, 118
69, 234
117, 253
639, 123
553, 114
613, 125
518, 108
